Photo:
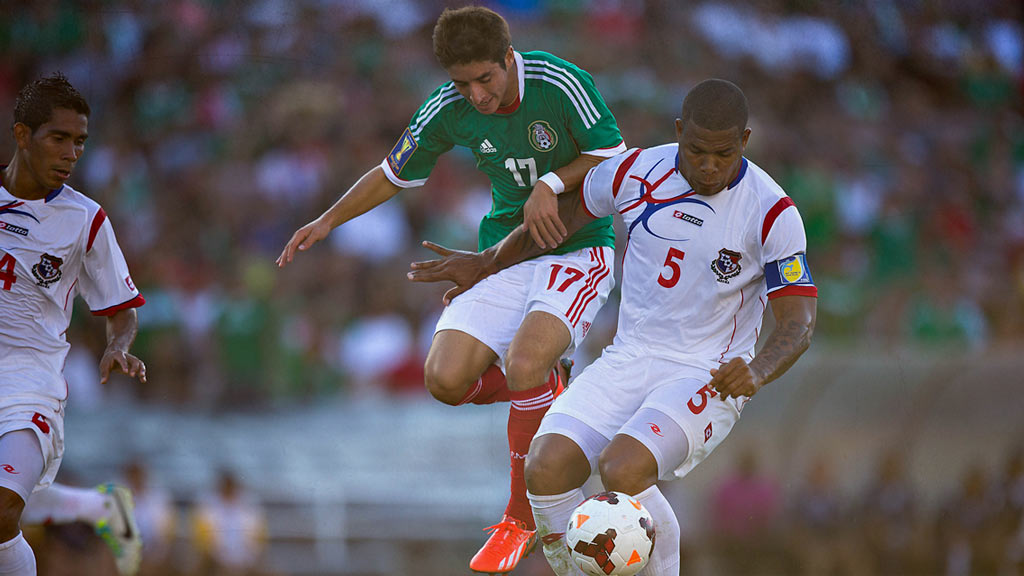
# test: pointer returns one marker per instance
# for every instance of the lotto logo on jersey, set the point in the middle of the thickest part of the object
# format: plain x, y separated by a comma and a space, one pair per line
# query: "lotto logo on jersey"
402, 151
542, 137
8, 227
47, 271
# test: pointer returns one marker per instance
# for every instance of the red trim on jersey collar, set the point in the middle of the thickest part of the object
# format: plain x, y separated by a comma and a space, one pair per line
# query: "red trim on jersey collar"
520, 86
133, 303
510, 108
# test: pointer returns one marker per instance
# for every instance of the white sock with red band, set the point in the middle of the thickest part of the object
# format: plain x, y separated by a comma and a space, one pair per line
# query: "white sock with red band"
552, 515
16, 557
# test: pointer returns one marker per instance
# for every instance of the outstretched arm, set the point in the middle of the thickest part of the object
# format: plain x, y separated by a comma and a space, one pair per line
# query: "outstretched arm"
370, 191
794, 324
122, 326
467, 268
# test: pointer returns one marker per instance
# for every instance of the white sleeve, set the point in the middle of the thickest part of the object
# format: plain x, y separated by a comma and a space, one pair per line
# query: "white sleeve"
601, 185
105, 282
785, 234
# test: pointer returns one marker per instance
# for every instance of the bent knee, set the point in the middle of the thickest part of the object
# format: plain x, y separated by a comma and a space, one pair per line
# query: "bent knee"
552, 467
622, 472
445, 384
11, 506
525, 371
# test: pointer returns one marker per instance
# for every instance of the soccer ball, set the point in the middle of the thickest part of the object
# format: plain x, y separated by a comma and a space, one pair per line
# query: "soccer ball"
610, 534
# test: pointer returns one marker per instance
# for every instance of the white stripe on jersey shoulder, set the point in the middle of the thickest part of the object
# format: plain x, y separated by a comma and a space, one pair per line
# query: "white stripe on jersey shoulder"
396, 180
443, 98
587, 120
607, 152
543, 67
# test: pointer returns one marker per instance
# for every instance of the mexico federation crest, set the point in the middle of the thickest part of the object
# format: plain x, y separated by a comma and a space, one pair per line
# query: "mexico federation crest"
47, 271
542, 137
727, 265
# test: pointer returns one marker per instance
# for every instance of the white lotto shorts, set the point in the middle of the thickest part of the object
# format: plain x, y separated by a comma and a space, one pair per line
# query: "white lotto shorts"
48, 427
572, 287
607, 394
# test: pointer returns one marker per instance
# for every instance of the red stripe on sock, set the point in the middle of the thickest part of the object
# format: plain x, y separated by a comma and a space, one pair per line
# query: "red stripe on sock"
490, 388
522, 425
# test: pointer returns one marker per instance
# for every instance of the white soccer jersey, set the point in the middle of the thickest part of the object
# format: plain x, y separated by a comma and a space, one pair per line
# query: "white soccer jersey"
51, 250
698, 270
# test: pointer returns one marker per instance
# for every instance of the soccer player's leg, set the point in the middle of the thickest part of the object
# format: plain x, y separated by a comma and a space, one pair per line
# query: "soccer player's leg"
108, 508
665, 439
21, 466
461, 369
559, 463
628, 465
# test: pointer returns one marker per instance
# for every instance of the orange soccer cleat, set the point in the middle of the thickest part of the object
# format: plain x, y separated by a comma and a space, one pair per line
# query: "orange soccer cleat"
509, 543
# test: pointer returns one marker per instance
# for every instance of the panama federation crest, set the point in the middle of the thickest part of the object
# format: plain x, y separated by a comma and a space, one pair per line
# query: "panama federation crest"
727, 265
47, 271
542, 137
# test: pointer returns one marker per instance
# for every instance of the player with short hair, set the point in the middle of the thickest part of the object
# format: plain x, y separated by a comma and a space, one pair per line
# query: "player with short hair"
55, 243
711, 240
535, 124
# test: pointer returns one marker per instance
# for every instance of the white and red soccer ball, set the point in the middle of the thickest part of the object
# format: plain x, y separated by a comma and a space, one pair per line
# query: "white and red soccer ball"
610, 534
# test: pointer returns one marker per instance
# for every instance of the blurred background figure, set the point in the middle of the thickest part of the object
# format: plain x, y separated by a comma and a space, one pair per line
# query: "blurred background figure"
820, 536
155, 516
229, 530
746, 517
895, 535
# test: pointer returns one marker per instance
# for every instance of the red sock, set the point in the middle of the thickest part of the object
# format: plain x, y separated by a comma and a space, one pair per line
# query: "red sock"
490, 388
528, 407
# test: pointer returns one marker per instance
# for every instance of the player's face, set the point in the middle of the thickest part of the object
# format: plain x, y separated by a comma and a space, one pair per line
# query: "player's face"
709, 159
52, 151
486, 85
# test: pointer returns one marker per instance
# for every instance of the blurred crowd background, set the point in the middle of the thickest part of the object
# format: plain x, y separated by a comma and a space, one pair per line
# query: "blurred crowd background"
221, 126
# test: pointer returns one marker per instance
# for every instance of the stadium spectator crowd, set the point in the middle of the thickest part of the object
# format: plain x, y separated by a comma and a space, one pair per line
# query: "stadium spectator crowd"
897, 127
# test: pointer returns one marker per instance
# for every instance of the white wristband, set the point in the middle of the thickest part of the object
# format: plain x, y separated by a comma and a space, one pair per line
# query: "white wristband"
553, 182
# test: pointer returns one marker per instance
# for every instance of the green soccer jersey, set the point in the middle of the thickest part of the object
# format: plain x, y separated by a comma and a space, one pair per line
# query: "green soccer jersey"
558, 116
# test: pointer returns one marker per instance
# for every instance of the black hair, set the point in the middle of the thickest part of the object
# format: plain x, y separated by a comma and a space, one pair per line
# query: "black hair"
37, 100
716, 105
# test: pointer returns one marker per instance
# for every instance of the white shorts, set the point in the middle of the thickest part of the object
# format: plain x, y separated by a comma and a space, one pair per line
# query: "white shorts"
572, 287
48, 427
607, 394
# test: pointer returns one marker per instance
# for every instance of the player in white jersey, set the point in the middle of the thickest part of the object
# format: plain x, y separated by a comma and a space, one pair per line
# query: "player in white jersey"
711, 240
55, 243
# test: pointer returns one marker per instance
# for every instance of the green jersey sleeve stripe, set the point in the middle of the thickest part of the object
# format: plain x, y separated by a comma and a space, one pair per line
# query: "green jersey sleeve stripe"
421, 124
443, 91
588, 121
557, 71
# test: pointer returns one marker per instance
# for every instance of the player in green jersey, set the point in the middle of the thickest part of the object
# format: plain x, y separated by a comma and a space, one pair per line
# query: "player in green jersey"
536, 124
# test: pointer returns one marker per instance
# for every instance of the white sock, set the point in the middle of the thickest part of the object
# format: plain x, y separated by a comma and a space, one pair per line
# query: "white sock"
61, 504
16, 557
665, 558
552, 516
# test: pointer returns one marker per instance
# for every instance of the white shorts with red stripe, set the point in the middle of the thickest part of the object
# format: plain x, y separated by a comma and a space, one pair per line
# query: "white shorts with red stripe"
48, 426
608, 394
571, 287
